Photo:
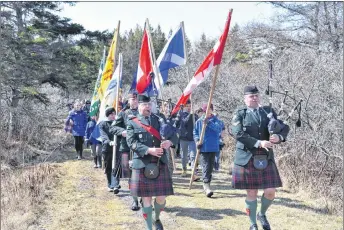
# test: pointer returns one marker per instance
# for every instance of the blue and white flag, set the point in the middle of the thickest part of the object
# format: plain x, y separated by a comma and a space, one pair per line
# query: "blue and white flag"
171, 56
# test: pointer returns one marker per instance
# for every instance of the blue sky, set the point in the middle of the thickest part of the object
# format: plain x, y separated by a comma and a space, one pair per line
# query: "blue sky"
198, 17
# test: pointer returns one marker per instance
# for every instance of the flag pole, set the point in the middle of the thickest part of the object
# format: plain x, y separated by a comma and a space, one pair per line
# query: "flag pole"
156, 70
114, 150
204, 124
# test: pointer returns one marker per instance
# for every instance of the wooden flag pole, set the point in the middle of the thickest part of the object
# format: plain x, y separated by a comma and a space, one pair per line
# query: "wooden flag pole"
114, 150
204, 124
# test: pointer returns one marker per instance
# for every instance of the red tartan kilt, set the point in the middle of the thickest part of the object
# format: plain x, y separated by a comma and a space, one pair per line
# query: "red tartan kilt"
248, 177
125, 165
141, 186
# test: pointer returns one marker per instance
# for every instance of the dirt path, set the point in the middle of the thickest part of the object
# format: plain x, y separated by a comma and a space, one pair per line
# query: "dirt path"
81, 201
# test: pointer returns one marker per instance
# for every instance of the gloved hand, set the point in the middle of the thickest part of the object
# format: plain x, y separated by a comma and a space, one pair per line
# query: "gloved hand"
112, 143
199, 145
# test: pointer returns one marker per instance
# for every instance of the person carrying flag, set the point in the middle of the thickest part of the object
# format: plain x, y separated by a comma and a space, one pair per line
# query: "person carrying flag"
118, 128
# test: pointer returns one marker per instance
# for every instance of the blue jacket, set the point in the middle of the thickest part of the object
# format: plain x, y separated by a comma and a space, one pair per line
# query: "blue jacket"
211, 141
90, 129
79, 119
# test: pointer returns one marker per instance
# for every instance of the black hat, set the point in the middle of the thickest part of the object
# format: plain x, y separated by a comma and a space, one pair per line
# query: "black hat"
88, 102
188, 102
250, 89
143, 98
109, 110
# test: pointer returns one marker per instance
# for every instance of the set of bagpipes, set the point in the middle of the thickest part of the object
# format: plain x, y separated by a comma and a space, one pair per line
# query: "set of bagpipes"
276, 124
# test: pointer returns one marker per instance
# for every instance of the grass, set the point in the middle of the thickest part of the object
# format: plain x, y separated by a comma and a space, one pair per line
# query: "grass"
80, 201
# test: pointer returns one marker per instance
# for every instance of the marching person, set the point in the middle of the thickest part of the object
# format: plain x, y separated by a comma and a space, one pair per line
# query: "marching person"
210, 145
254, 164
187, 142
150, 174
77, 120
118, 128
96, 146
107, 146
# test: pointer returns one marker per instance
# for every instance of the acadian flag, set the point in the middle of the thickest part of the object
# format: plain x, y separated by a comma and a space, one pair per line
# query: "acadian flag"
213, 59
109, 67
110, 97
95, 103
145, 66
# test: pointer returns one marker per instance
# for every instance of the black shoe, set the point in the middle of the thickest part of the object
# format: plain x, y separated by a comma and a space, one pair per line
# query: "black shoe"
158, 225
116, 189
263, 221
135, 206
254, 227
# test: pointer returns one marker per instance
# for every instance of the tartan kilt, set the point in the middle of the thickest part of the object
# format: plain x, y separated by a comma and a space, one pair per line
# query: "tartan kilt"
125, 165
248, 177
141, 186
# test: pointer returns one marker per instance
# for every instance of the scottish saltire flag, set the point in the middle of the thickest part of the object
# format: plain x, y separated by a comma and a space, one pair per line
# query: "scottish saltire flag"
145, 66
95, 102
213, 59
172, 55
113, 90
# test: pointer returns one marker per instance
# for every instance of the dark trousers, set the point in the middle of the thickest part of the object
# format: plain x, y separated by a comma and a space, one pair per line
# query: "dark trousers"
78, 143
208, 160
108, 169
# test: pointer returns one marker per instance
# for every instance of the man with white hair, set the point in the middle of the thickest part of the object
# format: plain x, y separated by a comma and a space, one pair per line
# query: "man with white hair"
150, 174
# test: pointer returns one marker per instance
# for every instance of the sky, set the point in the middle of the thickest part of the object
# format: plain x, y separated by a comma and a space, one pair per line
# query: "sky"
198, 17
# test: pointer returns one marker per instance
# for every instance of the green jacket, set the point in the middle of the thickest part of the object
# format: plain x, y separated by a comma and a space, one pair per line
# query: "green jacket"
247, 130
120, 125
139, 140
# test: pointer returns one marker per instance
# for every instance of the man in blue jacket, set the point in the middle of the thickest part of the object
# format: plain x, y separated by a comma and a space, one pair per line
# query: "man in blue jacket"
209, 146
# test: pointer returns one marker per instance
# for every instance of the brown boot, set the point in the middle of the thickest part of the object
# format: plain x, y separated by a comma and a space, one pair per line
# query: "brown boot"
207, 190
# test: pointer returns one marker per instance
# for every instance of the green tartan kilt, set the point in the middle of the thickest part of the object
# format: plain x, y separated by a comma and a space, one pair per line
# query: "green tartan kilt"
141, 186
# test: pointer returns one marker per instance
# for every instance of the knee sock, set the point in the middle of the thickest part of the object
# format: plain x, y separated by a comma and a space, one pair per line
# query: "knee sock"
251, 210
265, 205
158, 208
147, 215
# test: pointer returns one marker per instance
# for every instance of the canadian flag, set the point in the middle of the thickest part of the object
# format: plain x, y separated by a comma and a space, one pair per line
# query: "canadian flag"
145, 66
213, 59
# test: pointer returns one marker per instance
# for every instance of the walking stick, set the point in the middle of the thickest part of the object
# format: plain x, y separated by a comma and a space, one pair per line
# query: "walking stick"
204, 124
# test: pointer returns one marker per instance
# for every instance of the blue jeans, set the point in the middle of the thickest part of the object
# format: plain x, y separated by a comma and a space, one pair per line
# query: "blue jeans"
217, 161
187, 149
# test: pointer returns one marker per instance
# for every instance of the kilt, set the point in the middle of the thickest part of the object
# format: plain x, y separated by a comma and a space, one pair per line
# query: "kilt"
121, 169
248, 177
125, 165
141, 186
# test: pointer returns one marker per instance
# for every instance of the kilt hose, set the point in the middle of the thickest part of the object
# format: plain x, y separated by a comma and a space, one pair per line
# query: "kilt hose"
248, 177
122, 165
141, 186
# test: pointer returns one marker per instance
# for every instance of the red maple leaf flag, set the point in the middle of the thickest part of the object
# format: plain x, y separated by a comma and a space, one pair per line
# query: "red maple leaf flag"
145, 66
213, 59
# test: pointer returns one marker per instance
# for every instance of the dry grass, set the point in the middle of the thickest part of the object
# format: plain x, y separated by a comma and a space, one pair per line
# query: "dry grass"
21, 192
80, 201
